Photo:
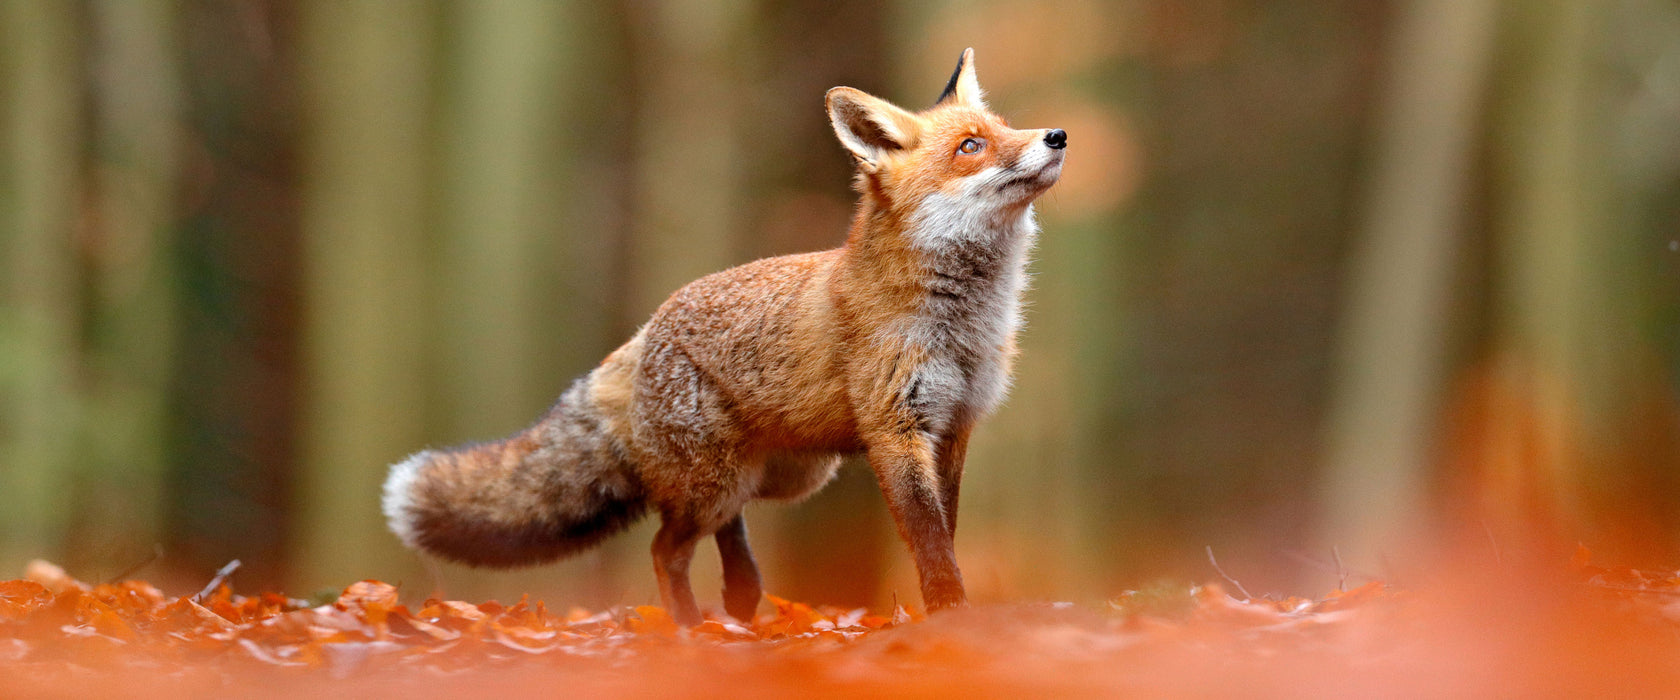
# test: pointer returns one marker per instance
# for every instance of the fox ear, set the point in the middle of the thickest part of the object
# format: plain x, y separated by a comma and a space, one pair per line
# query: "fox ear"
869, 126
964, 87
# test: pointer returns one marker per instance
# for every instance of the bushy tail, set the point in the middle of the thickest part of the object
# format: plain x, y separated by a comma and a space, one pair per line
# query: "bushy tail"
555, 489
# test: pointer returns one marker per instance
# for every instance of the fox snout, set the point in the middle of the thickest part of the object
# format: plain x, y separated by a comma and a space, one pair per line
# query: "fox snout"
1044, 164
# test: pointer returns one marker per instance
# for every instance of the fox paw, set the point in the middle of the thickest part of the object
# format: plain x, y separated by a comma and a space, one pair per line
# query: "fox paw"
942, 594
742, 603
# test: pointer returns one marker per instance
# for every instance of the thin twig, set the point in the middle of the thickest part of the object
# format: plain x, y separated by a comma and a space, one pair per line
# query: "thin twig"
1390, 575
1498, 556
1341, 571
157, 551
899, 614
217, 580
436, 574
1228, 579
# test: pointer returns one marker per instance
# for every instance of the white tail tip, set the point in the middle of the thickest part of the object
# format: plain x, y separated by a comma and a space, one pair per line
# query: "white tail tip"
398, 501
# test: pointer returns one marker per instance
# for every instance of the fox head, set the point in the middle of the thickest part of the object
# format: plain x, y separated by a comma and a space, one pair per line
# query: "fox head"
957, 151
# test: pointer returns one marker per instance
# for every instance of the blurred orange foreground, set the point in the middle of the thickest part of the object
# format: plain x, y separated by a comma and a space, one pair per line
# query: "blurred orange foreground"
1573, 631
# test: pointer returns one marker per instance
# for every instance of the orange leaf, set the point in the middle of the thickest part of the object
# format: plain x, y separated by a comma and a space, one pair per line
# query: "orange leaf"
652, 619
1216, 605
436, 632
19, 598
187, 616
794, 618
460, 610
362, 594
1342, 600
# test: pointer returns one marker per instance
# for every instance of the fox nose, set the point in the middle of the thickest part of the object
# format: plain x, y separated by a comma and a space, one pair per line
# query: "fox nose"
1056, 139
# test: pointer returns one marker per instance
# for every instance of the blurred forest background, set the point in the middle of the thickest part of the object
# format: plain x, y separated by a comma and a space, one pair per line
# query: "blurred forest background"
1320, 279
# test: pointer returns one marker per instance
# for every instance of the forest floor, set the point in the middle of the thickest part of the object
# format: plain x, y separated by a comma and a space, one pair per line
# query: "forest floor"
1578, 631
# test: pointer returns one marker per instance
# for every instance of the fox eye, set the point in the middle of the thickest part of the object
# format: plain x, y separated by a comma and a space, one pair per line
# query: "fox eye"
971, 146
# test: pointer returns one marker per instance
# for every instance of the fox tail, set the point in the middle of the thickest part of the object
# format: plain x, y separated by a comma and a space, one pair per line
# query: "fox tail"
553, 490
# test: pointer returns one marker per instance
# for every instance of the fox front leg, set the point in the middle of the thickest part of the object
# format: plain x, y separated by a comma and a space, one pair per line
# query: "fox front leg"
952, 451
904, 465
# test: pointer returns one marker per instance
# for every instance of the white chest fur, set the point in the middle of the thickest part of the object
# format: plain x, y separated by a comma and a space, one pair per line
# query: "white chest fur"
974, 260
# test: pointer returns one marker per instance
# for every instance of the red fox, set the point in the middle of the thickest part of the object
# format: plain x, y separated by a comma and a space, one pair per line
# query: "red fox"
755, 381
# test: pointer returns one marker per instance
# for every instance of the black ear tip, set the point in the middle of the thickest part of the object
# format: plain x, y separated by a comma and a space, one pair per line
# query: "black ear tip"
951, 86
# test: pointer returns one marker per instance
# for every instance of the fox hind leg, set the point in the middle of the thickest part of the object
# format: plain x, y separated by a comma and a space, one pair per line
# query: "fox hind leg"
742, 587
673, 550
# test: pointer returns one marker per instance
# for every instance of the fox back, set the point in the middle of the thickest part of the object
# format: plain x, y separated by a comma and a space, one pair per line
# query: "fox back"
754, 382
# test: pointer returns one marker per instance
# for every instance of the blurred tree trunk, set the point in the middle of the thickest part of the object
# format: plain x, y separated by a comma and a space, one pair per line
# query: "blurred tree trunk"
130, 241
688, 177
1234, 273
1558, 337
1395, 331
236, 362
1634, 408
498, 222
40, 407
594, 190
365, 65
522, 271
